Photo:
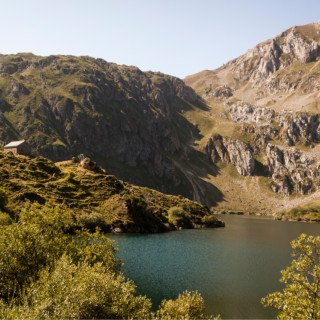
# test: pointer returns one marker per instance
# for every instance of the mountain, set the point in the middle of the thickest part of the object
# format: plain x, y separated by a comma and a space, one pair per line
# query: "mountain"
242, 138
282, 73
130, 121
266, 104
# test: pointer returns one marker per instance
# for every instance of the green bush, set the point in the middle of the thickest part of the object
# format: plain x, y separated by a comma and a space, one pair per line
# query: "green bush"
4, 198
311, 213
189, 305
92, 220
38, 239
178, 217
80, 291
4, 219
209, 220
300, 298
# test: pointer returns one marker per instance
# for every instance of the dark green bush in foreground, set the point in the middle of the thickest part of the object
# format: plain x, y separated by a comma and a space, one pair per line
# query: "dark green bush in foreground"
50, 271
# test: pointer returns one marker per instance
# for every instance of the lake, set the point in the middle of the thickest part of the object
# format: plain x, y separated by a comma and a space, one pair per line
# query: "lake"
232, 267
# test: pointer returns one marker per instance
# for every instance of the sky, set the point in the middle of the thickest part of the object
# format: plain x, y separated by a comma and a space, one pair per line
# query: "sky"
176, 37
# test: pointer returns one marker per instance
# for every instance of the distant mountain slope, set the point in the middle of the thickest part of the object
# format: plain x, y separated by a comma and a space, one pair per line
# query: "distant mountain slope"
282, 73
265, 106
130, 121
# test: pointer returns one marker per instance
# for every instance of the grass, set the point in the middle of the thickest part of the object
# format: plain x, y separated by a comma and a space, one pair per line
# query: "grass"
307, 213
95, 199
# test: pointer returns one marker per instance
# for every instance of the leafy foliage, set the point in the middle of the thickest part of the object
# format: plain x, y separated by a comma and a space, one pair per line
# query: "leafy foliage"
51, 270
5, 219
188, 305
38, 239
178, 217
70, 176
80, 291
301, 297
308, 213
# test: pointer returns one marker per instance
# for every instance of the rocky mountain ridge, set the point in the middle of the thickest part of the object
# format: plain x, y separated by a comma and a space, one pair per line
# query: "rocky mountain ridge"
283, 72
257, 65
268, 101
129, 121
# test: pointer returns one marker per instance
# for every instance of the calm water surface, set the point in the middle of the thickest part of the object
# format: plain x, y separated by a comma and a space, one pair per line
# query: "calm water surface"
232, 267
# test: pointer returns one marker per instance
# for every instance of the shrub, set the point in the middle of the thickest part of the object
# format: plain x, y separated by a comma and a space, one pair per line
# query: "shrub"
209, 220
38, 239
178, 217
80, 291
4, 198
300, 299
91, 221
4, 219
189, 305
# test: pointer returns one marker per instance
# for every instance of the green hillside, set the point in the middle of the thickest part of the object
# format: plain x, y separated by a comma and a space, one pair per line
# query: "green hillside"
95, 199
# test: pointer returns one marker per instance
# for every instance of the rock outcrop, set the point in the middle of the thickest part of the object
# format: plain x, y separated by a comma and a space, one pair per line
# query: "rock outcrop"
291, 170
259, 63
294, 126
231, 151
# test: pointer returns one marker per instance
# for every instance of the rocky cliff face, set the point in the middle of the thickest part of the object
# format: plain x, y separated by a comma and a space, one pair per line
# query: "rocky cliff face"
231, 151
128, 120
296, 44
292, 170
292, 127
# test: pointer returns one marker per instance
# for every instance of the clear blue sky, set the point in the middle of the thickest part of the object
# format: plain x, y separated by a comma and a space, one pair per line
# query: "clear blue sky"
177, 37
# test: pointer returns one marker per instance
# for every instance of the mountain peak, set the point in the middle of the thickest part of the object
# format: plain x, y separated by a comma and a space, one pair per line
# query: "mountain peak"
299, 43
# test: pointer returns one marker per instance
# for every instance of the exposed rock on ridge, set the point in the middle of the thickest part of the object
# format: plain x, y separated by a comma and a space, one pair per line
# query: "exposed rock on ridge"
294, 125
292, 170
231, 151
260, 62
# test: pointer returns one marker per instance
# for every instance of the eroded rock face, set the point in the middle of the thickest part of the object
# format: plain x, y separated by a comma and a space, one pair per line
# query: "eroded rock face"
259, 63
291, 170
232, 151
244, 112
295, 125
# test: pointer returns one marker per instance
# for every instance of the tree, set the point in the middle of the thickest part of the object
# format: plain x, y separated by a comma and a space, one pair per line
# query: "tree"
189, 305
51, 270
39, 239
300, 299
79, 291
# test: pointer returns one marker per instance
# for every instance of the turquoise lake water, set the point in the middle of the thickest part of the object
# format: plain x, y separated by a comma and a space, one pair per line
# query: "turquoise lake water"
232, 267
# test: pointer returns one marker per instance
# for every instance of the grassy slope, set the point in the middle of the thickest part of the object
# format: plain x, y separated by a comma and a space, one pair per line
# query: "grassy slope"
88, 194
